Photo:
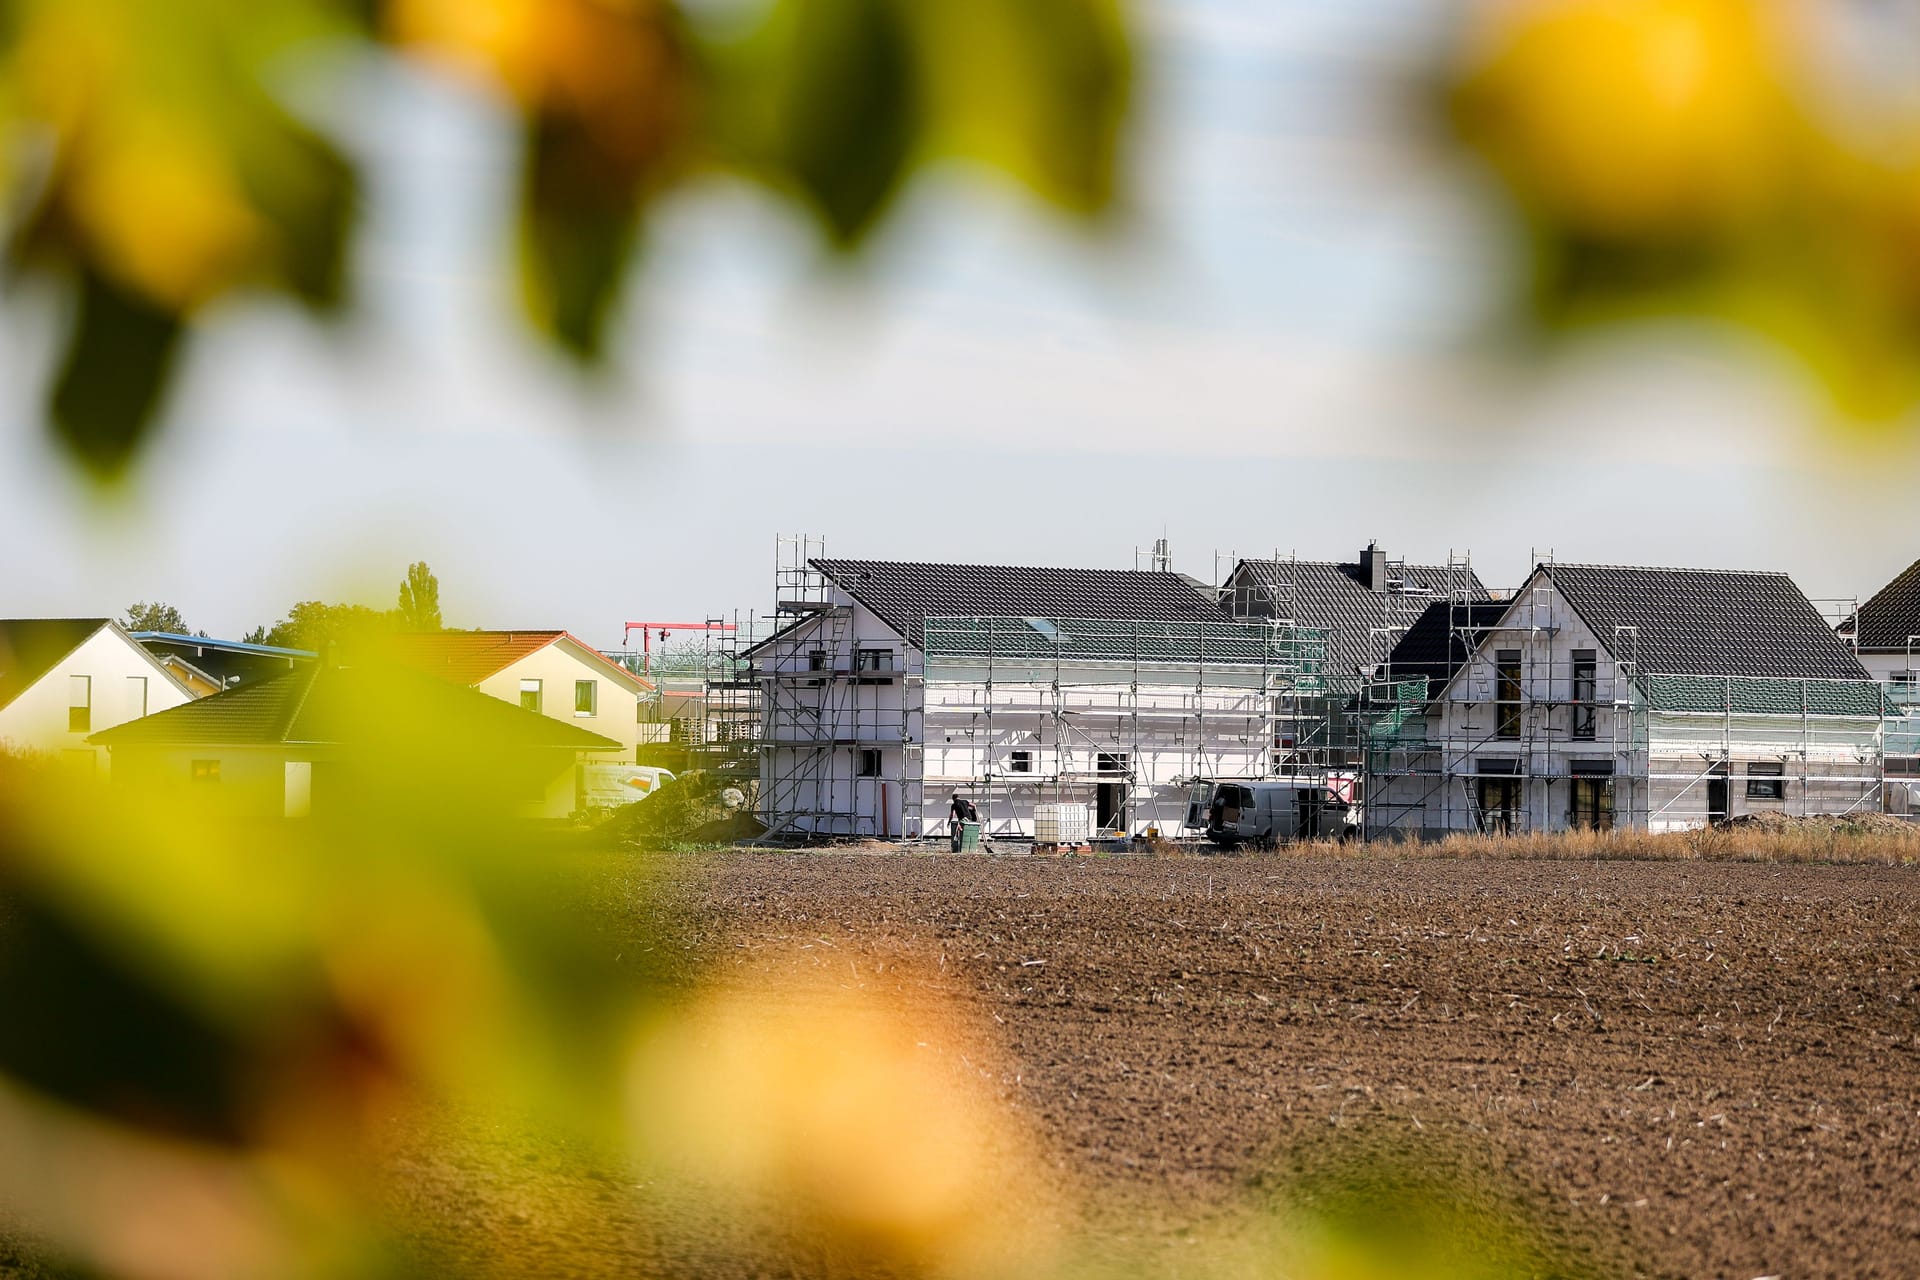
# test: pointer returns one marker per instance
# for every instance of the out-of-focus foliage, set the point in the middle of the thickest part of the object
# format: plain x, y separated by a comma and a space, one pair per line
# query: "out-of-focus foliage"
419, 606
155, 617
214, 1023
152, 169
324, 1046
1753, 161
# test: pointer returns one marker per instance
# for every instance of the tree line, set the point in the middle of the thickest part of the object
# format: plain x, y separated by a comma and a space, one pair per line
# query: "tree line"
313, 624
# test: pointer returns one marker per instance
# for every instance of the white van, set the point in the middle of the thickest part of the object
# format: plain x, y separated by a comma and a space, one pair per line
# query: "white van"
612, 786
1276, 811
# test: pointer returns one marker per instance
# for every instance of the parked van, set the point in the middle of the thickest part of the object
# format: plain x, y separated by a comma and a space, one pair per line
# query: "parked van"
611, 786
1276, 811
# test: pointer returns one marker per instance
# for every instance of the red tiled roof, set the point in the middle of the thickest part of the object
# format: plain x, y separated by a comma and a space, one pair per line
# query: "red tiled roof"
468, 657
464, 657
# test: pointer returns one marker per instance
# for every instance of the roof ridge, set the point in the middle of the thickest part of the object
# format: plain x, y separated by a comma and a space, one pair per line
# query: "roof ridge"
299, 704
1659, 568
949, 564
1411, 564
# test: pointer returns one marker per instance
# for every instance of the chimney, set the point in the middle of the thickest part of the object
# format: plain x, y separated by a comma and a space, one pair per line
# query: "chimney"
1373, 567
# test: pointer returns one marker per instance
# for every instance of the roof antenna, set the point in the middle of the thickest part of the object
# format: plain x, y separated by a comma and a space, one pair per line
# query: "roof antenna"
1160, 559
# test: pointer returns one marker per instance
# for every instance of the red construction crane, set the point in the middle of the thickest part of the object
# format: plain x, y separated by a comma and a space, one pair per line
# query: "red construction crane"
665, 629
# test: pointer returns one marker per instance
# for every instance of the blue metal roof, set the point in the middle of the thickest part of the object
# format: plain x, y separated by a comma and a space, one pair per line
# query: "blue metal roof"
225, 646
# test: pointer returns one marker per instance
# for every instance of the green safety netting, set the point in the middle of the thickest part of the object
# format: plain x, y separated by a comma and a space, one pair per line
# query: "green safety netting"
1296, 653
1741, 695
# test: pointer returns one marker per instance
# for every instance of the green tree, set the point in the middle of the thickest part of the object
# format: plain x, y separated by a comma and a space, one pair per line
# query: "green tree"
419, 607
314, 624
155, 617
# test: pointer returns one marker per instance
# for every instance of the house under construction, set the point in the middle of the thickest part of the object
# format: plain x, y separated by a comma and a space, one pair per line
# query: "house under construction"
1602, 696
890, 686
1592, 697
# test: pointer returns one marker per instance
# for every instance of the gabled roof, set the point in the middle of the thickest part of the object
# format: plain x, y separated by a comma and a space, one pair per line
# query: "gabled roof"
1334, 595
904, 593
1710, 622
1892, 615
319, 705
468, 657
31, 647
1441, 641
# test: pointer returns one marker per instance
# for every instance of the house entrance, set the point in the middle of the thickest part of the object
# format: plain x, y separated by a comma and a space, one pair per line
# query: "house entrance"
1716, 801
1110, 798
1499, 804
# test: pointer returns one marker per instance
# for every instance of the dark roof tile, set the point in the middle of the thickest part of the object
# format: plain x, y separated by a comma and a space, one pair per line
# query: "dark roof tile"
1440, 643
1334, 595
903, 593
1891, 617
1713, 622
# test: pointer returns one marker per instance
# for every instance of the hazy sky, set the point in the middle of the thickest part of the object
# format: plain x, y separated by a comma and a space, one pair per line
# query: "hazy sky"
1276, 350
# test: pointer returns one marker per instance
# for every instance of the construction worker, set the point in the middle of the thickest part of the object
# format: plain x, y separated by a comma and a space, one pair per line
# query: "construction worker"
960, 812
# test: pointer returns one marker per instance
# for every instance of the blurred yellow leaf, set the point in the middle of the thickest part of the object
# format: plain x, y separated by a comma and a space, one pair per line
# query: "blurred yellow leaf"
838, 1104
1631, 117
1686, 156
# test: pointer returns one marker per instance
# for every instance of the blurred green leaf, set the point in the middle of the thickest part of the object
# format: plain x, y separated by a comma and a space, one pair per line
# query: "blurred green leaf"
82, 1026
174, 178
577, 232
827, 103
1038, 88
117, 362
308, 193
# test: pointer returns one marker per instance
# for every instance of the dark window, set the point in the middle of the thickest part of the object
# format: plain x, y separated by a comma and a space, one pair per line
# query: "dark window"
1499, 803
1586, 667
869, 762
1591, 805
1507, 692
876, 660
206, 771
79, 704
1766, 781
816, 659
1020, 762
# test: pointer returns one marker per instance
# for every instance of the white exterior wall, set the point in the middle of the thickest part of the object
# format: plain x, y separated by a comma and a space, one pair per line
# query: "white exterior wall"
557, 666
815, 724
935, 736
1891, 666
1168, 730
37, 719
1661, 762
1463, 732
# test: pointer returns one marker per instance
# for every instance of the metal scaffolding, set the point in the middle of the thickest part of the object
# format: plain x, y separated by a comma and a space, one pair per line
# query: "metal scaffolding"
1122, 715
1526, 736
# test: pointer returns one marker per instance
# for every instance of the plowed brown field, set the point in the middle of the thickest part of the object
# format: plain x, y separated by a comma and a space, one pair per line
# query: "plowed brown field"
1689, 1069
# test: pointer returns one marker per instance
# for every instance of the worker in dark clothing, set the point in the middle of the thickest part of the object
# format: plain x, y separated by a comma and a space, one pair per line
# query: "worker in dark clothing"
960, 811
